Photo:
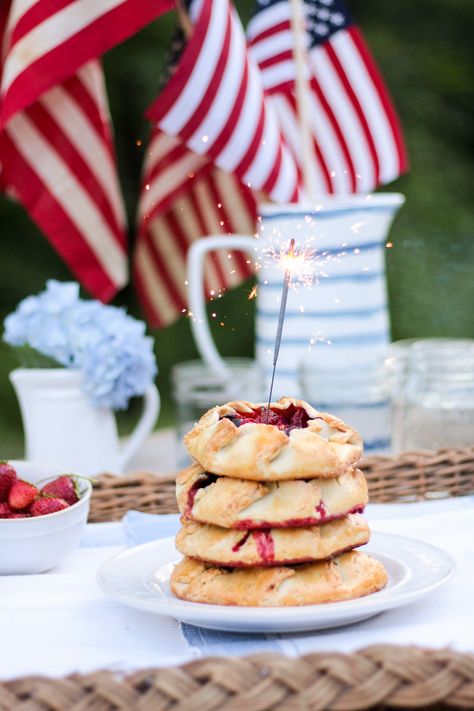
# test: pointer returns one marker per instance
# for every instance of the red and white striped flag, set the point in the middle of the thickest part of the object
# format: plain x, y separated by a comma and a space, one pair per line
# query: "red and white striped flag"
56, 149
58, 161
46, 41
216, 145
212, 203
357, 139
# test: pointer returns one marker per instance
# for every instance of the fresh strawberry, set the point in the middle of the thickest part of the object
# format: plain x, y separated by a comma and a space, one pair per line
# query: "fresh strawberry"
22, 494
7, 479
41, 507
64, 487
5, 510
18, 514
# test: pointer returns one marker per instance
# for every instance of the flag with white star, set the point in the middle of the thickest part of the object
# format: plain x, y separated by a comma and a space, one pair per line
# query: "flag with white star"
357, 139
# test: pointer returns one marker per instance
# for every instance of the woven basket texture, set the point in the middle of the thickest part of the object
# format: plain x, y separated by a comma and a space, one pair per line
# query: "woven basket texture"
410, 476
379, 677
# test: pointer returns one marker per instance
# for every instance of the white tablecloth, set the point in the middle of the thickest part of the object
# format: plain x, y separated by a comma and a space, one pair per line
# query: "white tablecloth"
61, 622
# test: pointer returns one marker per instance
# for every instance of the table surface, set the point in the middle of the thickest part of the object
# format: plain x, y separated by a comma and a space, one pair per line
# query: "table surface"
61, 622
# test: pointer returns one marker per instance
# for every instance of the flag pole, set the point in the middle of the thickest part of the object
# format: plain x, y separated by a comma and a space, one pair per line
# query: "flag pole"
302, 93
183, 17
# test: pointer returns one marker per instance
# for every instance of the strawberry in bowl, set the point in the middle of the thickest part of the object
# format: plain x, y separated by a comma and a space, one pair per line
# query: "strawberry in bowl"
42, 514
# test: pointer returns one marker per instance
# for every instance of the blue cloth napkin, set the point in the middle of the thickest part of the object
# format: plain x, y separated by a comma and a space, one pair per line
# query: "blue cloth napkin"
135, 528
143, 527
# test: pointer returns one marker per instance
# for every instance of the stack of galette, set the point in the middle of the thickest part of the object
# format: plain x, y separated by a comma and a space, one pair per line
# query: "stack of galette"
271, 509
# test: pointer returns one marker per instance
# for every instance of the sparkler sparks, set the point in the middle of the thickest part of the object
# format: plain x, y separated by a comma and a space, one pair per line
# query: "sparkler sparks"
253, 293
302, 266
298, 261
289, 258
305, 262
282, 263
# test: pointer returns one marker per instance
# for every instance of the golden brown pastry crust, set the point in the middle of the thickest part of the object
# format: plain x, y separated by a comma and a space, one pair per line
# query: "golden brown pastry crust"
348, 576
274, 546
244, 504
261, 452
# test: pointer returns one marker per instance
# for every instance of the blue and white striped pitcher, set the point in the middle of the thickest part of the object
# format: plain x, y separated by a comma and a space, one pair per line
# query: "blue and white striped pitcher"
343, 317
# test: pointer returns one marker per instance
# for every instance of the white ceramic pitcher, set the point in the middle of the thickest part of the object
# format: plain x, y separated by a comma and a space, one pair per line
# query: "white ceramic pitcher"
63, 428
344, 317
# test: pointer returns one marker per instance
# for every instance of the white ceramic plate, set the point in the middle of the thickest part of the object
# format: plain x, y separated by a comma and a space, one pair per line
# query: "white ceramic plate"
140, 577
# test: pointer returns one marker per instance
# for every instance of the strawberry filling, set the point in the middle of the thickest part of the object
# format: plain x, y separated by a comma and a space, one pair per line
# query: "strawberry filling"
292, 418
265, 547
322, 510
242, 541
268, 556
201, 483
263, 541
323, 517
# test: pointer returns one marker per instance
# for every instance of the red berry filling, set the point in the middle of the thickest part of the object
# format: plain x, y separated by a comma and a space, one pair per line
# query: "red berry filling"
323, 517
204, 480
322, 510
263, 541
292, 418
242, 541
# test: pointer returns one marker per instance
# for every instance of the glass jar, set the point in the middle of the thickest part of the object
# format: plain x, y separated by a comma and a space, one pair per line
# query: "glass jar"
396, 363
433, 385
359, 396
197, 387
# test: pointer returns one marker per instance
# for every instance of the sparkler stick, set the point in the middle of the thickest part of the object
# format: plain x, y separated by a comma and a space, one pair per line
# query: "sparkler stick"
281, 319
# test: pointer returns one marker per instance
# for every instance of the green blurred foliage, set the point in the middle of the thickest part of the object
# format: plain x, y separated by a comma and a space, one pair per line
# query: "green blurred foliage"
425, 52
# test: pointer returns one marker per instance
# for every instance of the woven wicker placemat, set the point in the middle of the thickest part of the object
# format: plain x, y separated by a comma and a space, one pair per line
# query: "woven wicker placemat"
378, 677
411, 476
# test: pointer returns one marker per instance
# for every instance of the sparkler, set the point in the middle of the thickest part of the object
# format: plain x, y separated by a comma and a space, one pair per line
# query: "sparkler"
288, 258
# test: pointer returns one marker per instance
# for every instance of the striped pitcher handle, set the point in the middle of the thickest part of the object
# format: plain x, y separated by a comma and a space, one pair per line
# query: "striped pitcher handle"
197, 305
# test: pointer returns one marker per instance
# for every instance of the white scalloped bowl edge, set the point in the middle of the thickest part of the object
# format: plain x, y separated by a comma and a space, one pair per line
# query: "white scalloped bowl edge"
37, 544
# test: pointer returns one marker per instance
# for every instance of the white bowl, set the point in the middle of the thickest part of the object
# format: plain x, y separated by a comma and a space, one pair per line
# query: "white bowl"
34, 545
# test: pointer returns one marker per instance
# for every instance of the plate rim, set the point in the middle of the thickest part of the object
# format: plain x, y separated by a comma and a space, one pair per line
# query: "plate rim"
379, 601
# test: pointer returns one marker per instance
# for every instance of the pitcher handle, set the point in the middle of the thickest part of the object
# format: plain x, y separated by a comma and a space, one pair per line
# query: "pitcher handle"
144, 426
197, 304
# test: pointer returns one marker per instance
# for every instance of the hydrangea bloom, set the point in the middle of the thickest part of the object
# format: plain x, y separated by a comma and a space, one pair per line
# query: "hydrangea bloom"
109, 347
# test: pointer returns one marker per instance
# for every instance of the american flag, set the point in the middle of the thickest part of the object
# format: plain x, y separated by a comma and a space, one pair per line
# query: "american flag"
212, 203
56, 150
357, 140
215, 146
46, 41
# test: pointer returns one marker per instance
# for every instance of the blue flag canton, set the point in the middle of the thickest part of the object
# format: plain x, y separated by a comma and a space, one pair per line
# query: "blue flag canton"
323, 18
175, 49
172, 57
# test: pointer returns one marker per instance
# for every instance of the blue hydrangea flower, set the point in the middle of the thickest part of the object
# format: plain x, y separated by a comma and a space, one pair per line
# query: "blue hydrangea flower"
109, 347
41, 321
